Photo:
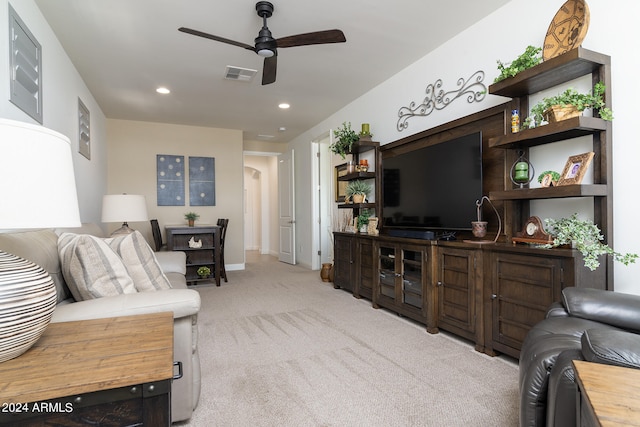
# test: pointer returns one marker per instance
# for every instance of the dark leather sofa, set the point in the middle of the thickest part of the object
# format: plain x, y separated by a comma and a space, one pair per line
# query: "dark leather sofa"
588, 324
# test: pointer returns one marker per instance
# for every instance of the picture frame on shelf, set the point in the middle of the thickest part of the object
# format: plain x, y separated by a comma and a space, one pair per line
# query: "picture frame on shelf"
575, 168
341, 186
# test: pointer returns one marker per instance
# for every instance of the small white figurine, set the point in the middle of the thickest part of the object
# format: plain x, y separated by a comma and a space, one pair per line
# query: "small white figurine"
194, 244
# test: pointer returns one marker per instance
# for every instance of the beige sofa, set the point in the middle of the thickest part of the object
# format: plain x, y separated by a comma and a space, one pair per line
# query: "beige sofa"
40, 247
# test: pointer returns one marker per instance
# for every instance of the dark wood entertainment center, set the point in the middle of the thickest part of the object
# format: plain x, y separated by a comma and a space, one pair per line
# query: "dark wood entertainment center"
490, 294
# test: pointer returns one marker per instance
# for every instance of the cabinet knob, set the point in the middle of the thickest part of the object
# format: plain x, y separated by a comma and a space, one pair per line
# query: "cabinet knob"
440, 283
494, 296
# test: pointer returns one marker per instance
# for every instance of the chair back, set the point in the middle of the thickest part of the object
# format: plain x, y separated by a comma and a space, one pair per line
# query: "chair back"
223, 223
157, 235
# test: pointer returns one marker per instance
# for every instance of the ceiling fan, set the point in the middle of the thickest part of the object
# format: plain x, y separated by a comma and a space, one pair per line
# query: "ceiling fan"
267, 47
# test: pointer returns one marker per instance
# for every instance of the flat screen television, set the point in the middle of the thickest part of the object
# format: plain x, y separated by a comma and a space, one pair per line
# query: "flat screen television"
435, 187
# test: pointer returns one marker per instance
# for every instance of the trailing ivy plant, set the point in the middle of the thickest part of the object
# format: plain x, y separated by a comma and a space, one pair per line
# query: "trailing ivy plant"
345, 137
587, 238
581, 101
530, 58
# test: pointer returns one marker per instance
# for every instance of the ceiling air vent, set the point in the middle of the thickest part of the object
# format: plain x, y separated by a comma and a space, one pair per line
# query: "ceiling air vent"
240, 74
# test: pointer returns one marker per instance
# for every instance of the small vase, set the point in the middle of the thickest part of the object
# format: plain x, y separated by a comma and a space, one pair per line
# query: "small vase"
479, 228
325, 272
192, 222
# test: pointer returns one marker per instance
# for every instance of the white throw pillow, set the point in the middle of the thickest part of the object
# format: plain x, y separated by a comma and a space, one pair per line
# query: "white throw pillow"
140, 261
91, 268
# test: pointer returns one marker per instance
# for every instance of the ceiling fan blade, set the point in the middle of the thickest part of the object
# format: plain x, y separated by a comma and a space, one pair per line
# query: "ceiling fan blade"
216, 38
317, 37
269, 69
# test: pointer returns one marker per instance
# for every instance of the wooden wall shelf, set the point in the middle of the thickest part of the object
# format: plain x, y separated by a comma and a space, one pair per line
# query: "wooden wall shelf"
552, 132
556, 71
593, 190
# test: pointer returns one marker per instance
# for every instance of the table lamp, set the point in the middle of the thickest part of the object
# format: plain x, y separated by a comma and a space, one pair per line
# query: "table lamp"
124, 208
38, 190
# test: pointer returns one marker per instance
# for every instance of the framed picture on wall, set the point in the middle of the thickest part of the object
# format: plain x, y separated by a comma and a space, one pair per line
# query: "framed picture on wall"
341, 186
84, 130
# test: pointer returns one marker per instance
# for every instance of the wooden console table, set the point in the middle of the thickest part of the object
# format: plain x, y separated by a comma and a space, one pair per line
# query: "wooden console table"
607, 395
207, 255
114, 371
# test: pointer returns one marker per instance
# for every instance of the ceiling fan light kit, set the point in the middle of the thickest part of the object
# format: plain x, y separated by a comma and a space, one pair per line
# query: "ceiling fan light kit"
267, 47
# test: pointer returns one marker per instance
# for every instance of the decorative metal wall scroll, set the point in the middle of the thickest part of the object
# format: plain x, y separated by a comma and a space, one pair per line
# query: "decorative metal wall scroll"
437, 98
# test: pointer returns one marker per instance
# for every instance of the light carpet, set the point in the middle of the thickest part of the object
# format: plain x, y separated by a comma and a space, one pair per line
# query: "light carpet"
279, 347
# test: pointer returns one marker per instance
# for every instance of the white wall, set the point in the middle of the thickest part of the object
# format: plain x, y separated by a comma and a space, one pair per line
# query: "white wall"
504, 35
133, 147
62, 86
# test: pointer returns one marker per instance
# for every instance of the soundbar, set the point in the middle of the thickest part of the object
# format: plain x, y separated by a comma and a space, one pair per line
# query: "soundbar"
412, 234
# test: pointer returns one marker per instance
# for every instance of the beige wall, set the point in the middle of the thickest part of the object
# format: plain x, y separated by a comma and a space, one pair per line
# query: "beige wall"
131, 168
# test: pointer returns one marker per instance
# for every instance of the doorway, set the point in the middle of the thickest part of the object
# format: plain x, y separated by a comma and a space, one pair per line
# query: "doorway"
260, 202
322, 201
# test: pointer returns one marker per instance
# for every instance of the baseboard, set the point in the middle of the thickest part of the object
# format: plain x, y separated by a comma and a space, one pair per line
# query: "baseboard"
234, 267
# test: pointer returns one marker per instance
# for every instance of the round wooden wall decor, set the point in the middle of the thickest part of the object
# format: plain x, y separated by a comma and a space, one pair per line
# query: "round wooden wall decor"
567, 29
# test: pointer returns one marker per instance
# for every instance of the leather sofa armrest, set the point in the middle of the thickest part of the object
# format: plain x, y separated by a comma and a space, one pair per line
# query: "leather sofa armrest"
612, 308
556, 310
182, 302
561, 393
619, 348
172, 261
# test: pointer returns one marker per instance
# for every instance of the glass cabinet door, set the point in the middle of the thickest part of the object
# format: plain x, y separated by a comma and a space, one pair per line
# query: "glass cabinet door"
387, 271
412, 278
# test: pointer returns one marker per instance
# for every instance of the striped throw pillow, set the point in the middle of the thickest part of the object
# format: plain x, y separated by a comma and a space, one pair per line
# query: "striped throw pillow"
140, 261
91, 268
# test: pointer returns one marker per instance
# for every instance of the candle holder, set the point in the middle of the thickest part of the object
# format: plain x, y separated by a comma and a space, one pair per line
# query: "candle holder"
479, 227
522, 171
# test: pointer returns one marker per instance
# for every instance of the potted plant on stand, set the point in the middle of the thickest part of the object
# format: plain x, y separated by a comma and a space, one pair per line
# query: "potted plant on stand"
345, 137
191, 218
357, 191
585, 236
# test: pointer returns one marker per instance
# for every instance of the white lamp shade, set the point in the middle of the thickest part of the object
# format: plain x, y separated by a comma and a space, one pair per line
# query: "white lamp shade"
37, 183
124, 208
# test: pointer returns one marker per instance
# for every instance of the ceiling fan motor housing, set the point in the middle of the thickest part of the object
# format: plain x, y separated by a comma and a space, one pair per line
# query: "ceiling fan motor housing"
265, 43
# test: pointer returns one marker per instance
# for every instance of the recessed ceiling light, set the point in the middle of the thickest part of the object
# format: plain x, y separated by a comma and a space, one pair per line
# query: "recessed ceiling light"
163, 90
282, 129
284, 105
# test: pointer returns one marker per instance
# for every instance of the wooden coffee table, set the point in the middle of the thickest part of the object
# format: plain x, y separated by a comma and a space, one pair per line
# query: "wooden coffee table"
108, 372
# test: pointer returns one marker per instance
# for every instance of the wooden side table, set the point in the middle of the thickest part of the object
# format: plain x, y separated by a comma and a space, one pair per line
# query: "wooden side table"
607, 395
109, 372
208, 254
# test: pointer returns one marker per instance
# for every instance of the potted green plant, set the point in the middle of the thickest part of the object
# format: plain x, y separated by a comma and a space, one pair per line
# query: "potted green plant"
363, 220
345, 137
203, 272
586, 237
555, 177
569, 103
191, 218
357, 191
530, 58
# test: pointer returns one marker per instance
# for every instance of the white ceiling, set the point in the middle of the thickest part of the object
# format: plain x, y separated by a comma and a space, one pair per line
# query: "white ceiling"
124, 49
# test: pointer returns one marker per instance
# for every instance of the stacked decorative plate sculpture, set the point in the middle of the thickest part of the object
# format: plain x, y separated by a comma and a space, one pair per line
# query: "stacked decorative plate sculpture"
27, 301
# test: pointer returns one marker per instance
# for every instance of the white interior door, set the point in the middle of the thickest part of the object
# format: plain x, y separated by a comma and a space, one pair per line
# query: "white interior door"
286, 210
